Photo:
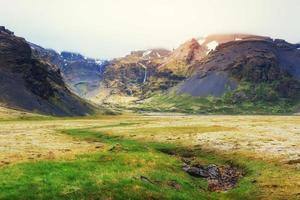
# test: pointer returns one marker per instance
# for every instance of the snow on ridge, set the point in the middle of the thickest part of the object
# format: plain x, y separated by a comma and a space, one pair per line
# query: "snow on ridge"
201, 40
158, 55
212, 46
99, 62
146, 53
238, 39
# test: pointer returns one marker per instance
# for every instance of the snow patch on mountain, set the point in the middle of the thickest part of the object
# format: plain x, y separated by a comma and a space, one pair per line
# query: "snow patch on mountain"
201, 40
146, 53
99, 62
212, 46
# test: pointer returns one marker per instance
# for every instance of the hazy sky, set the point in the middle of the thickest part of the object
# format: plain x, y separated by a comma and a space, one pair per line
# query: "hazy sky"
112, 28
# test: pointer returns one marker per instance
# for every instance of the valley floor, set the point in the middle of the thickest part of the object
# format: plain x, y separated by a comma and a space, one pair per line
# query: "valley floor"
101, 157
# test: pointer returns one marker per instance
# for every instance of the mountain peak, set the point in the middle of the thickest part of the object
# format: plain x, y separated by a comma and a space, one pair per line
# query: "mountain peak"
187, 53
4, 30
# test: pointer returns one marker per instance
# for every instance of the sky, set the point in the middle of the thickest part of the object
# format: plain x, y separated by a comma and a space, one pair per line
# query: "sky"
112, 28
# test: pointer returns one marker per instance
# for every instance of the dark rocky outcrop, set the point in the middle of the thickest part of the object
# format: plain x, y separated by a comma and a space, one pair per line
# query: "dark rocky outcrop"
219, 178
33, 84
214, 84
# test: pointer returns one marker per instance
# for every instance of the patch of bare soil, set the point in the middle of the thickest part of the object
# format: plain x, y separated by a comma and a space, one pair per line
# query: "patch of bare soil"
220, 178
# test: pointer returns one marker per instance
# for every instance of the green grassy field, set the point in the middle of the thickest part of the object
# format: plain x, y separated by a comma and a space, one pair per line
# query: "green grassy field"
115, 173
210, 105
141, 157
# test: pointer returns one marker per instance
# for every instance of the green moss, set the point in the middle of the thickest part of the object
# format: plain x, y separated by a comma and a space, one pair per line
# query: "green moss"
114, 173
261, 98
82, 87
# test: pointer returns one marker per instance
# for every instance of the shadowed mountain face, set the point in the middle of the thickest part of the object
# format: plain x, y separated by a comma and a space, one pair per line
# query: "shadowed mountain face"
210, 84
82, 75
33, 84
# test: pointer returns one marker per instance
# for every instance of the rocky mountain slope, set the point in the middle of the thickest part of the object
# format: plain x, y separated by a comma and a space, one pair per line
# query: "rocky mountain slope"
248, 60
234, 68
181, 58
194, 50
81, 74
33, 84
136, 75
249, 75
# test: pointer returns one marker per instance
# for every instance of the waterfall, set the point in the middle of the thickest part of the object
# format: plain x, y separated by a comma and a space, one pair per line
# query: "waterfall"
145, 75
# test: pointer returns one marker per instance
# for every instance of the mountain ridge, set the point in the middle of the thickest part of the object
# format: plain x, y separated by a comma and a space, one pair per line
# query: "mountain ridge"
34, 84
211, 66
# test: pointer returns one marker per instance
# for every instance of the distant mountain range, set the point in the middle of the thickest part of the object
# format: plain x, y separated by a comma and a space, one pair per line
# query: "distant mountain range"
81, 74
235, 69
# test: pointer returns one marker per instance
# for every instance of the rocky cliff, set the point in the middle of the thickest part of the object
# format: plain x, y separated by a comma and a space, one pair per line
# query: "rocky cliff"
81, 74
33, 84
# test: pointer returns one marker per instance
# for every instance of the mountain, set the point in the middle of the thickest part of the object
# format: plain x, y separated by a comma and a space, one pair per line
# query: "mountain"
248, 60
33, 84
181, 58
98, 80
236, 70
194, 50
127, 74
82, 75
137, 74
246, 75
228, 72
239, 71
